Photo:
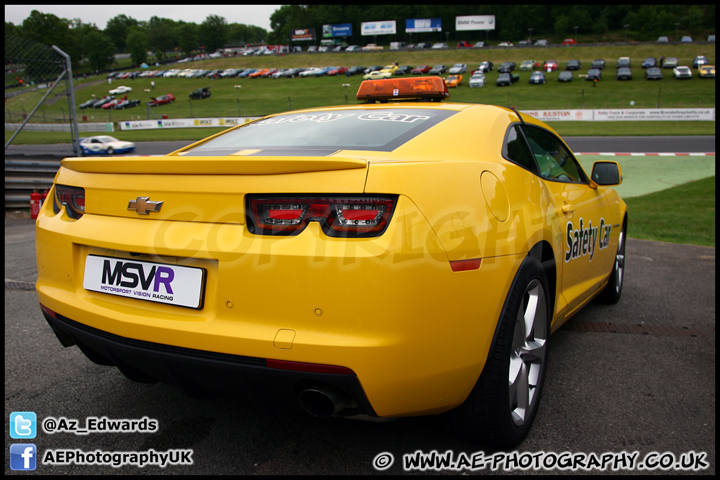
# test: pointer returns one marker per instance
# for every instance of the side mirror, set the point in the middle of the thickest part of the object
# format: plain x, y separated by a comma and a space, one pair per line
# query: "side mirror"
606, 173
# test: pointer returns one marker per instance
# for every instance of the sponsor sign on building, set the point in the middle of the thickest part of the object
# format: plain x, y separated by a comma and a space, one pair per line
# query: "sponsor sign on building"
475, 22
302, 35
339, 30
420, 25
387, 27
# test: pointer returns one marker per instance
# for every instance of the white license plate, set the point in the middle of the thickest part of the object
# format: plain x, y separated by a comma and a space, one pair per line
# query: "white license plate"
154, 282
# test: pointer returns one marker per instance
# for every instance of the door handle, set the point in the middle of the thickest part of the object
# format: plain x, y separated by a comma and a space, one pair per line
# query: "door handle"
568, 208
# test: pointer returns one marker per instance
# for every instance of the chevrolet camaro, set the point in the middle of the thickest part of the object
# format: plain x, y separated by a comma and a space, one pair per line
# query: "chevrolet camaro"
402, 256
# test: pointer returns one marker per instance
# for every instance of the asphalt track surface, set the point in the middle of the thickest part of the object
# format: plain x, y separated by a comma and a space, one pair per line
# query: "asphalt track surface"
578, 144
638, 376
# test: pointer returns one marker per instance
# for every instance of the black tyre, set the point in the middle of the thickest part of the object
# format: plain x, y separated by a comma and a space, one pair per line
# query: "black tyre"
502, 406
110, 151
613, 290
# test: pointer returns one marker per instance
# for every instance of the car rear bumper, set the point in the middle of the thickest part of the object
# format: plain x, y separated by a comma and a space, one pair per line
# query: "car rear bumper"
391, 309
201, 373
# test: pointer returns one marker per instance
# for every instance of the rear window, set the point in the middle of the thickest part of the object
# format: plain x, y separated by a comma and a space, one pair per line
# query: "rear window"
319, 133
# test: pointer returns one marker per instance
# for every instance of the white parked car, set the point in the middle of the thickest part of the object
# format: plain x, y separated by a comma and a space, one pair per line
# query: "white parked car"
477, 80
120, 90
682, 73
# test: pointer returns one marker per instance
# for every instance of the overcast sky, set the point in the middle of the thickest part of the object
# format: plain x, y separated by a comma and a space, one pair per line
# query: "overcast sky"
258, 15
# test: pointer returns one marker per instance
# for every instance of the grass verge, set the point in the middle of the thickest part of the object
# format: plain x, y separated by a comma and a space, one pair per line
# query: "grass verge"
684, 214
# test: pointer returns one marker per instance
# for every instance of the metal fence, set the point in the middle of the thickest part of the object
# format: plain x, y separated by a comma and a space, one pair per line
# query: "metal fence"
37, 67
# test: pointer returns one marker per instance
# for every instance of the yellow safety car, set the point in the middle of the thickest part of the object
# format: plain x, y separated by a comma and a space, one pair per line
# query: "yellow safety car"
402, 256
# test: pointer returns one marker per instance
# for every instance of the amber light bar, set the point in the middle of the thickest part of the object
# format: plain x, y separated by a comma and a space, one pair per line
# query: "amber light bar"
398, 88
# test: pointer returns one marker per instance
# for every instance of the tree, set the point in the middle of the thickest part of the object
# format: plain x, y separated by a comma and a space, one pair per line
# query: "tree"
212, 33
162, 35
188, 38
117, 30
137, 45
99, 50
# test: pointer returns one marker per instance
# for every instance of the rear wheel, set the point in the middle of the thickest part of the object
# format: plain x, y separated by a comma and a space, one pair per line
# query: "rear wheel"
502, 406
110, 151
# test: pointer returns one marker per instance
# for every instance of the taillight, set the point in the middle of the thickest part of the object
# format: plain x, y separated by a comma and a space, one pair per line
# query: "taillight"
339, 216
72, 197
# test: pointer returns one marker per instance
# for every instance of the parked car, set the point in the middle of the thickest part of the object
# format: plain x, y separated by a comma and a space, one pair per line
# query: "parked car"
623, 73
541, 43
162, 100
200, 93
670, 62
110, 104
377, 74
439, 45
569, 41
663, 39
105, 144
479, 45
353, 48
438, 70
706, 71
373, 68
700, 60
649, 62
550, 65
623, 62
507, 78
682, 73
403, 70
527, 65
653, 73
246, 72
268, 73
88, 104
453, 81
458, 68
103, 101
354, 70
125, 103
421, 69
686, 39
537, 78
506, 67
505, 44
477, 80
594, 73
573, 65
485, 66
337, 71
120, 90
598, 63
565, 76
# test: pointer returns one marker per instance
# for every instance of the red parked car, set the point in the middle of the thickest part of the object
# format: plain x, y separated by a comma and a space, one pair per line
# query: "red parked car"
337, 71
162, 100
569, 41
421, 69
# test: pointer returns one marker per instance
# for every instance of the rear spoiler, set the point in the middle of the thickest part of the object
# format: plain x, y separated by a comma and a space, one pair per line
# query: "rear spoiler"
200, 165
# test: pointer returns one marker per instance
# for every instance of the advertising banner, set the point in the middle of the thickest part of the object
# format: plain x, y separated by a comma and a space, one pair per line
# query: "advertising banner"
420, 25
475, 22
339, 30
661, 114
302, 35
379, 28
185, 123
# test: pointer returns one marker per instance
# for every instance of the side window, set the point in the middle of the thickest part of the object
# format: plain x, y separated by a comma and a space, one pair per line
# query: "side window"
554, 160
516, 150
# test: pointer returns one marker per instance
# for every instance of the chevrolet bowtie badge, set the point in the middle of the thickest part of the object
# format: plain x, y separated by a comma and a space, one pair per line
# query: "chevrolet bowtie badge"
144, 206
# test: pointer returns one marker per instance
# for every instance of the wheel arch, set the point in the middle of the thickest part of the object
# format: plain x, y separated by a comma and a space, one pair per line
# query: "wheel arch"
543, 252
